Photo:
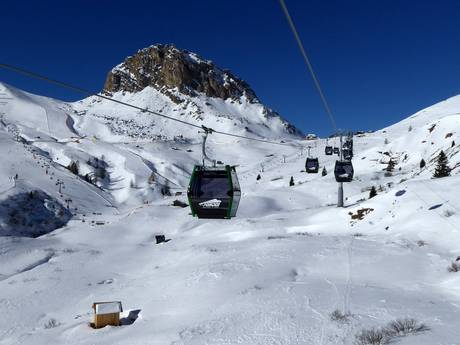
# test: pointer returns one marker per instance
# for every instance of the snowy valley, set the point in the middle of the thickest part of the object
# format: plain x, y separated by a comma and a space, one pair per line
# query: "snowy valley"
86, 187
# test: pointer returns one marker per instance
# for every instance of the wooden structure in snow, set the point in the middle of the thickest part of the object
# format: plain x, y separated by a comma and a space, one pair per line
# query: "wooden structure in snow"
107, 313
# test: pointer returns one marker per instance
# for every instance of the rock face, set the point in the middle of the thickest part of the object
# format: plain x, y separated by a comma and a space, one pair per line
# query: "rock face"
182, 76
166, 67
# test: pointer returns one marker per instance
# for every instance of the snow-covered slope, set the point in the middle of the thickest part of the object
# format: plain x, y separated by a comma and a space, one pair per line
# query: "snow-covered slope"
113, 122
272, 275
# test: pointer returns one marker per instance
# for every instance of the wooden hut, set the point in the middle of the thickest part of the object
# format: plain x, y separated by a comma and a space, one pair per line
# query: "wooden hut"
107, 313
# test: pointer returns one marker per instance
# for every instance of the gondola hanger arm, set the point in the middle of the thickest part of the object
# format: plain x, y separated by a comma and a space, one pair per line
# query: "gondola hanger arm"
206, 132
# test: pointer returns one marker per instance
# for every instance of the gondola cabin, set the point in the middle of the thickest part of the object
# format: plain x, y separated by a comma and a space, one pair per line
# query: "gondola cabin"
214, 192
312, 165
343, 171
347, 154
348, 144
328, 150
336, 151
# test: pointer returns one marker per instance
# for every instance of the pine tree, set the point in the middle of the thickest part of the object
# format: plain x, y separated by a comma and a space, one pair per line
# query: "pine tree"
386, 141
88, 178
442, 168
291, 182
372, 192
73, 167
166, 190
410, 128
324, 172
422, 163
258, 177
453, 143
390, 167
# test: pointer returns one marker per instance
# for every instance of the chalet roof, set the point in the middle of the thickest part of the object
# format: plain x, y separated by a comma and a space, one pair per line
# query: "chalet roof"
107, 307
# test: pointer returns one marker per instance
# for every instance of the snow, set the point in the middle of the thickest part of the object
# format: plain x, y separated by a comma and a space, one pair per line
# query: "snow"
271, 275
108, 307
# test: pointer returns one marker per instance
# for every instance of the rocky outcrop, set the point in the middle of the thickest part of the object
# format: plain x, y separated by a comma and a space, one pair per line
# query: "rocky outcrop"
182, 75
165, 67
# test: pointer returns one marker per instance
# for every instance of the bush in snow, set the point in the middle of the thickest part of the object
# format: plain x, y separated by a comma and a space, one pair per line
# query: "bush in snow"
442, 168
337, 315
422, 163
52, 323
394, 329
371, 337
403, 327
372, 192
291, 182
324, 172
421, 243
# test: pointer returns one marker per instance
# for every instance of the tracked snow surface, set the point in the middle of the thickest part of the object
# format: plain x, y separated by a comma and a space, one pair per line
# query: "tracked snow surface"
275, 274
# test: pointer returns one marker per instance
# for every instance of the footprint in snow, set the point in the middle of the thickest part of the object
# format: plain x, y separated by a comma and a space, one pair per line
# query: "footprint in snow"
105, 281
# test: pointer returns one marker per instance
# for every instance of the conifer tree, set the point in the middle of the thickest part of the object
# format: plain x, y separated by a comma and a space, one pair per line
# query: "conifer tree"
422, 163
390, 167
73, 167
442, 167
291, 182
372, 192
258, 177
324, 172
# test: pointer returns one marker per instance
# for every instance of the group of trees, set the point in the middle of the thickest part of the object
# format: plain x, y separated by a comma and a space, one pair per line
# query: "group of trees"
442, 168
99, 165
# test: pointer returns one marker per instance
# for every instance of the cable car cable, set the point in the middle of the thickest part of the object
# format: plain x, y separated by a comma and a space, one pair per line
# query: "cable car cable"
308, 63
340, 164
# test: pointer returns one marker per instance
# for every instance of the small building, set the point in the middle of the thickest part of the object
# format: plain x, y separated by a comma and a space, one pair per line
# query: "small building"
311, 137
107, 314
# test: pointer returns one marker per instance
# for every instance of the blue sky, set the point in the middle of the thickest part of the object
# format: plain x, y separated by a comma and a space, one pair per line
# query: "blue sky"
378, 61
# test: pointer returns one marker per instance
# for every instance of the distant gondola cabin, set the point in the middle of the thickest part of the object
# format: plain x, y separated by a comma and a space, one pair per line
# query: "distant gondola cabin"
107, 314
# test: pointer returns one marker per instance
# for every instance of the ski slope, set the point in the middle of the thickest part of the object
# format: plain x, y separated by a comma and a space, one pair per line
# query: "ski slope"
272, 275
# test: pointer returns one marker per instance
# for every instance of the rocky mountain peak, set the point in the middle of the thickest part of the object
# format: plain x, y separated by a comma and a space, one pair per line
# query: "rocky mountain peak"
164, 67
